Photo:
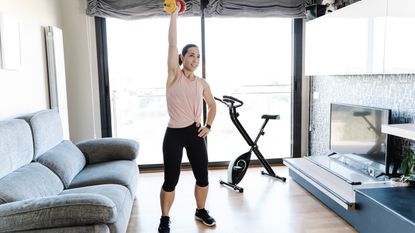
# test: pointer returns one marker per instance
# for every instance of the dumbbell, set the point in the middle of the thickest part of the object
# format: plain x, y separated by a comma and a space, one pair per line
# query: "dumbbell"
170, 5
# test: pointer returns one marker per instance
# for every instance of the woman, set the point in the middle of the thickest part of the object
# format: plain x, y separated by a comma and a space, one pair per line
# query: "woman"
185, 93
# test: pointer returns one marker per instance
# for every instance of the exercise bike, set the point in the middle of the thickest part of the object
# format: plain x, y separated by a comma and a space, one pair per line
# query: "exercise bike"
239, 165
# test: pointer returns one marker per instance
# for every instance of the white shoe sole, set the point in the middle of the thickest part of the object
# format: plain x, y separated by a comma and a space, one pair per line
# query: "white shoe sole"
209, 225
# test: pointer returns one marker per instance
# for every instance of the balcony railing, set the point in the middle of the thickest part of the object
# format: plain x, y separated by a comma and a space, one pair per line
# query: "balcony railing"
142, 115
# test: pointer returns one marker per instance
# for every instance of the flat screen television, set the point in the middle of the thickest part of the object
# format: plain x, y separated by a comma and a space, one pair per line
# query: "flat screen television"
355, 132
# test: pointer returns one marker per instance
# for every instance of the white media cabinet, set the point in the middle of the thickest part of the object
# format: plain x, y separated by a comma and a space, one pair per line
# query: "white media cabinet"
369, 205
336, 181
332, 178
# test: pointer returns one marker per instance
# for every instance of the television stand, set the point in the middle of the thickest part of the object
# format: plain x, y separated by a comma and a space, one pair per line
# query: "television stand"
333, 179
338, 186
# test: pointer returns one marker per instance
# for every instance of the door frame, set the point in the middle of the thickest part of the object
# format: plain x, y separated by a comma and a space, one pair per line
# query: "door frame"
296, 94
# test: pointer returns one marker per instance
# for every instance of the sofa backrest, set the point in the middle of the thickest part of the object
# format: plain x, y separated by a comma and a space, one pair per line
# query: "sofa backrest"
16, 145
46, 129
65, 160
30, 181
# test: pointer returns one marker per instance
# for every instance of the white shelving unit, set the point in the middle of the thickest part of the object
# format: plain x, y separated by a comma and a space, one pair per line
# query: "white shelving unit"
400, 130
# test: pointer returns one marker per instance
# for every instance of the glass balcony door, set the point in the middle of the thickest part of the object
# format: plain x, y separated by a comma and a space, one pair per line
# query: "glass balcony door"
242, 60
137, 64
250, 59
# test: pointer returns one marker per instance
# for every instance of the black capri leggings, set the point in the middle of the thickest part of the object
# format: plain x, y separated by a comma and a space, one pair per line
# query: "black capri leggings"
174, 141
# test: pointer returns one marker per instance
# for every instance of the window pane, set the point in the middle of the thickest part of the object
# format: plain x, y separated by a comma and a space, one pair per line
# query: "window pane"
247, 58
250, 59
137, 57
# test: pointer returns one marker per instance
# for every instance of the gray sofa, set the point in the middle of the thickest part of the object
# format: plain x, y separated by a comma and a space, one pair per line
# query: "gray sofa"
48, 184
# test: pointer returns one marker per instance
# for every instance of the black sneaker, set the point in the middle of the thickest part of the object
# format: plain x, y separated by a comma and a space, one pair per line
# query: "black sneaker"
203, 216
164, 226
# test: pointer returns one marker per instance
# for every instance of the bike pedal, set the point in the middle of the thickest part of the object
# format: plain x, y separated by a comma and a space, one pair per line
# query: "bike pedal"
237, 168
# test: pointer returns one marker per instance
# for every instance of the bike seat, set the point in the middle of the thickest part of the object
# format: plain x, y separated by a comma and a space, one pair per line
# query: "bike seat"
271, 117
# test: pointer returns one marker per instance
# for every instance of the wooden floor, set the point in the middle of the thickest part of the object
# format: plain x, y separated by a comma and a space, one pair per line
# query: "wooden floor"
267, 205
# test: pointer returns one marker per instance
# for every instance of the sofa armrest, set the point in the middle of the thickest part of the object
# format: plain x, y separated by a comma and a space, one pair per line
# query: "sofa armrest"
57, 211
109, 149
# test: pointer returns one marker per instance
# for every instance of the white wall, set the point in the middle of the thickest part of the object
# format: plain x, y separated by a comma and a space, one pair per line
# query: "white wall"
26, 90
81, 71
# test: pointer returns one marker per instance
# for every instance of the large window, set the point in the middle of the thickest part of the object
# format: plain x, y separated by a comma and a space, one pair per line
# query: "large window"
245, 57
137, 62
250, 59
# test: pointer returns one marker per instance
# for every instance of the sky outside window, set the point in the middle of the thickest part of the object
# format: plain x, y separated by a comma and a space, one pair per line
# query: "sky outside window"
242, 59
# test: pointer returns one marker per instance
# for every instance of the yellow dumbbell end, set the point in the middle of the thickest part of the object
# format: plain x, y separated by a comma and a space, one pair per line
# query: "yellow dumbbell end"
169, 6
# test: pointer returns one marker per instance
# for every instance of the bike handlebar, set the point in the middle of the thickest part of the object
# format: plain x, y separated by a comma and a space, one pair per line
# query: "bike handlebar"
234, 99
230, 101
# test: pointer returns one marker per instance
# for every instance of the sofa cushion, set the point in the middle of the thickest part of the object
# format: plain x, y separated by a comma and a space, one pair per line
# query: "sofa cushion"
101, 228
108, 149
16, 145
119, 195
46, 129
57, 211
65, 159
30, 181
123, 172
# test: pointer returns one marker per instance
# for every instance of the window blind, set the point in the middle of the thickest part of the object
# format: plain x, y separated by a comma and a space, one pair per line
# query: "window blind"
133, 9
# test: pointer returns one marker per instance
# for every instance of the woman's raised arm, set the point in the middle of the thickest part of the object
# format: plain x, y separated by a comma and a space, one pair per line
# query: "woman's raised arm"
173, 66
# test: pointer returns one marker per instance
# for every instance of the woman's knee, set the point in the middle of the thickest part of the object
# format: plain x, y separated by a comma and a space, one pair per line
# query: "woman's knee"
201, 175
202, 182
169, 186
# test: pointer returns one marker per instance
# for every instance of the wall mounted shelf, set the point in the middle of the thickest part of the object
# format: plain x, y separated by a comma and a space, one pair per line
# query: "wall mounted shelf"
400, 130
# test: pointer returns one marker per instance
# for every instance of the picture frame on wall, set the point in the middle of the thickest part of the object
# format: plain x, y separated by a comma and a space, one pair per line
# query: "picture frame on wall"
10, 47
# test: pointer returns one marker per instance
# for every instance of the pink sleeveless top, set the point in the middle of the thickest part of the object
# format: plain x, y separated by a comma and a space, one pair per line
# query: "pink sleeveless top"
184, 102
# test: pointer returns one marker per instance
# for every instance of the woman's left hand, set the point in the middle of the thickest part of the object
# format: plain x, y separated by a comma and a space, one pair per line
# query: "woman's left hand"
203, 132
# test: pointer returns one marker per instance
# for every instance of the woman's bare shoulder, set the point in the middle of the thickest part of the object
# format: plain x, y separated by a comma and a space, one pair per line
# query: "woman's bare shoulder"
204, 83
201, 80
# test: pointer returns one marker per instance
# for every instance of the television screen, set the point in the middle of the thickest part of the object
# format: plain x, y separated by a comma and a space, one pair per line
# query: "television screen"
356, 130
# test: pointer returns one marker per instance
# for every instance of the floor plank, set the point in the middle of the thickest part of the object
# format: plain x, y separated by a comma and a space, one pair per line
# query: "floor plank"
267, 205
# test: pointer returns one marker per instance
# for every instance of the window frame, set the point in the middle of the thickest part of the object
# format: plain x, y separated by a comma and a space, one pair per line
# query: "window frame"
296, 94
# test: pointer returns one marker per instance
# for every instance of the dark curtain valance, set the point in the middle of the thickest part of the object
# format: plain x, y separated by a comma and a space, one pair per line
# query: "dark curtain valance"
134, 9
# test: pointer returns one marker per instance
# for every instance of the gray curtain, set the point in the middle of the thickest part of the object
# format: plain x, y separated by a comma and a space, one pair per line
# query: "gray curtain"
135, 9
256, 8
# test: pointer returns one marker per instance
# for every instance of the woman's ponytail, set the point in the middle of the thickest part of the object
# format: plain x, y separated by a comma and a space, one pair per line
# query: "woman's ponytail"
180, 60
